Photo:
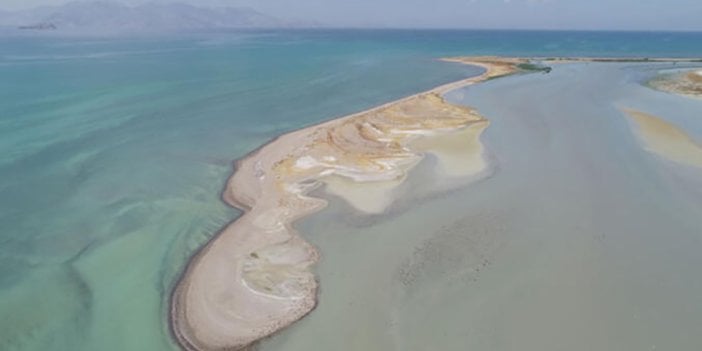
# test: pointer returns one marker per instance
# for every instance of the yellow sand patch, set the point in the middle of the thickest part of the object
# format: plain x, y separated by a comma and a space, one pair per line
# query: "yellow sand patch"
665, 139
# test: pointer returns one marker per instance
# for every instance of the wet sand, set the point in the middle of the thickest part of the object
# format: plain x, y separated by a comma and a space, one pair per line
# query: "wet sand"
665, 139
255, 277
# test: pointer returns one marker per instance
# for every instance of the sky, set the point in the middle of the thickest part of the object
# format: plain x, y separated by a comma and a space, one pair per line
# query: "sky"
490, 14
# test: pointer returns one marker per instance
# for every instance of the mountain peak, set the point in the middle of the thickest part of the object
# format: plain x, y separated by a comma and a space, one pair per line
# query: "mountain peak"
106, 16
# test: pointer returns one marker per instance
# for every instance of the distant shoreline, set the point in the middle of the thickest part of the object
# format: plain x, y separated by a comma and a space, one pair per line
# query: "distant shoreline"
97, 32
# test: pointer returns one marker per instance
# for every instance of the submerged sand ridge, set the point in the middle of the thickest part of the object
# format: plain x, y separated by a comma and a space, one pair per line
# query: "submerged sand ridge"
254, 278
665, 139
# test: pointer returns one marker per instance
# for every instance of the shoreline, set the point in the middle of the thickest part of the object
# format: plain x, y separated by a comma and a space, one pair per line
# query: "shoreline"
686, 83
304, 283
282, 289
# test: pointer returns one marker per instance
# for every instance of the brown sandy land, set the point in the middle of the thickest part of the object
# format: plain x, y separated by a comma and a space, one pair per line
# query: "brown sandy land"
494, 66
254, 278
688, 83
665, 139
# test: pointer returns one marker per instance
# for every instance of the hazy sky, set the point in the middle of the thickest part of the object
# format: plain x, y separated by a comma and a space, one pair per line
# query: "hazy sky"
533, 14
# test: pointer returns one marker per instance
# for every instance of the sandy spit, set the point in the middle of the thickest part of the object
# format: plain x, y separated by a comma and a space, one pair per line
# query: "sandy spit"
254, 277
688, 83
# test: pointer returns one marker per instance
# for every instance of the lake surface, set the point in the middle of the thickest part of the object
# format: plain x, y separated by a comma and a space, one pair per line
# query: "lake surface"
114, 152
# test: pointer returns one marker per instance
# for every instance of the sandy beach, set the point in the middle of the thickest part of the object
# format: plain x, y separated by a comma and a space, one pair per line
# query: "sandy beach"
254, 278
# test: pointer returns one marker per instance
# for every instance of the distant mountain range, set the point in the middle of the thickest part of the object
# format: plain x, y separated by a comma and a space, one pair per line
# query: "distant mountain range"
91, 17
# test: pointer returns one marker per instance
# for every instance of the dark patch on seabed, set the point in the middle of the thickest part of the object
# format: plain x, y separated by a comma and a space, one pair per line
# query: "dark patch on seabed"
457, 251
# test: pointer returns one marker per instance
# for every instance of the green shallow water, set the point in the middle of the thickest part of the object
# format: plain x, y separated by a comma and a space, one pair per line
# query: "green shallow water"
113, 153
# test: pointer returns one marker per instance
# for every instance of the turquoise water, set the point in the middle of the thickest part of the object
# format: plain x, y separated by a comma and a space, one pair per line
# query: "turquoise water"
114, 152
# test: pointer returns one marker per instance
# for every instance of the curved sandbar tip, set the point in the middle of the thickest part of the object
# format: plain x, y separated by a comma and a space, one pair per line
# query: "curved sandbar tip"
254, 278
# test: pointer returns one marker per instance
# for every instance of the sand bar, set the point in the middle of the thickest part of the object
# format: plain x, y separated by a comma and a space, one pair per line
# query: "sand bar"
254, 278
687, 83
665, 139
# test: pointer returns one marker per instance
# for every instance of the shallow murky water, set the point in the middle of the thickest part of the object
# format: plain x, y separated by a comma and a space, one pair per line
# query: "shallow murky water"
580, 240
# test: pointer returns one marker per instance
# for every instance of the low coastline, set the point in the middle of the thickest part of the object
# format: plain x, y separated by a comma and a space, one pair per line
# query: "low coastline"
665, 139
687, 83
257, 277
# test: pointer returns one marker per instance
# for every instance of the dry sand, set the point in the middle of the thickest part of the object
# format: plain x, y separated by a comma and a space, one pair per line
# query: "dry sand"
254, 278
687, 83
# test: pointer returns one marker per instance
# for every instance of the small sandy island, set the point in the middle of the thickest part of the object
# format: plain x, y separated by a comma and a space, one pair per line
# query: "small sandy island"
254, 278
688, 83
